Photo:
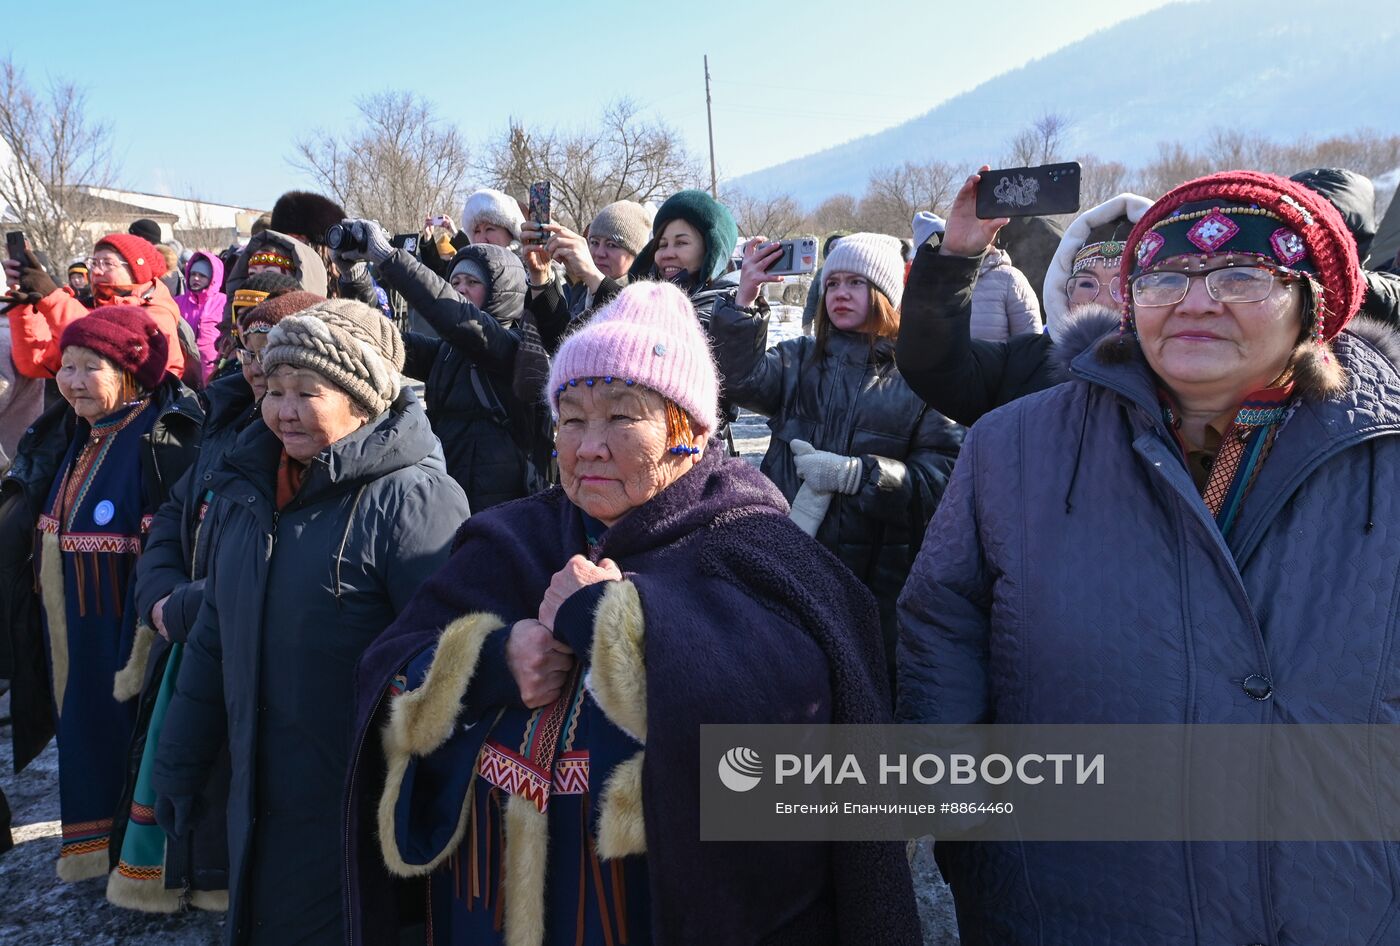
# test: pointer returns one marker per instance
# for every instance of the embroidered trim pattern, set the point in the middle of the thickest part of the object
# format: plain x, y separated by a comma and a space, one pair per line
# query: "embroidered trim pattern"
1148, 247
90, 541
513, 774
1212, 231
1288, 246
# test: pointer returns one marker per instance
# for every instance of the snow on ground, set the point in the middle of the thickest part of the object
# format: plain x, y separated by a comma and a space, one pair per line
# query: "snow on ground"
37, 910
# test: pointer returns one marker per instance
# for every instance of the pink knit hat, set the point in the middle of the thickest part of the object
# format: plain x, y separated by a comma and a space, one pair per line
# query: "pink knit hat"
647, 335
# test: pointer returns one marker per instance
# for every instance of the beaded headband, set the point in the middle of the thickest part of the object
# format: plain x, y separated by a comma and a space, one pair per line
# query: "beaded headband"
1198, 229
270, 258
1109, 251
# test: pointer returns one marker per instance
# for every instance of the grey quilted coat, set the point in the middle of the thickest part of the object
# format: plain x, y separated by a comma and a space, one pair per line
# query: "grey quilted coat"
1072, 574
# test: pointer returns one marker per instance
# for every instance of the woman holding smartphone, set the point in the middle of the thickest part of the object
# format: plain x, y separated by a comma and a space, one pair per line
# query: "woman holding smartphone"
860, 457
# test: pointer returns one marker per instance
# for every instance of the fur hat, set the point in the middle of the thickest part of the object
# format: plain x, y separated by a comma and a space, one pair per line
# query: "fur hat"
126, 336
1247, 213
625, 222
304, 214
874, 256
349, 344
494, 207
141, 256
646, 335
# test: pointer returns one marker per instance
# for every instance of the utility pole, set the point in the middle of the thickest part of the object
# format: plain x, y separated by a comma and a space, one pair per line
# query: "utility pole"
710, 120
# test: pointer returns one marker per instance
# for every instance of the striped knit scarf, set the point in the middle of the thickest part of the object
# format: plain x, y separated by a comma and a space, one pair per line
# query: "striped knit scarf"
1244, 446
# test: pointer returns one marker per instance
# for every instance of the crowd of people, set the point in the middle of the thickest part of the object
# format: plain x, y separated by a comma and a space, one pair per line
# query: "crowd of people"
379, 630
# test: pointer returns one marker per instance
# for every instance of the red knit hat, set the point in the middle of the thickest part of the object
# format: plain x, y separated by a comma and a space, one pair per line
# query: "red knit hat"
1280, 221
142, 258
126, 336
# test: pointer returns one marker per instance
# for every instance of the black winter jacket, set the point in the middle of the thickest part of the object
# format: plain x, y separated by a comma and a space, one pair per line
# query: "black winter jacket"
484, 428
956, 374
850, 400
291, 599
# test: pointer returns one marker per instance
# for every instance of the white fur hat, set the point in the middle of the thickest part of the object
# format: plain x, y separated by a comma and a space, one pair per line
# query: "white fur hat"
493, 207
1130, 206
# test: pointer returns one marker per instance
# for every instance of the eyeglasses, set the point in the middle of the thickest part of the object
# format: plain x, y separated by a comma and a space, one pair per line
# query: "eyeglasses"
100, 264
1230, 284
1085, 287
246, 356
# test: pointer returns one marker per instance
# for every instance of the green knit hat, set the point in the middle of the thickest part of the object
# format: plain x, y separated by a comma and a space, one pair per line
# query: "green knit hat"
704, 213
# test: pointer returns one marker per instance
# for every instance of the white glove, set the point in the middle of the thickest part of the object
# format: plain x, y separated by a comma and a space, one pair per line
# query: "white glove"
828, 472
809, 508
377, 248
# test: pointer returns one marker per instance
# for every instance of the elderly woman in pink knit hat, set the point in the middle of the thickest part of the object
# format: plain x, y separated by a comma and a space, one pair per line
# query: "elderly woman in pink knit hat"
539, 703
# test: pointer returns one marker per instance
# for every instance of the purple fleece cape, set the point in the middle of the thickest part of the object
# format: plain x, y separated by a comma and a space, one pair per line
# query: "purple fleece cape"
731, 590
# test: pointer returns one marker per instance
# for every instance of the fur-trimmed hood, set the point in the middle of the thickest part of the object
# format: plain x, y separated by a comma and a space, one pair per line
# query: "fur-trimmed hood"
1123, 206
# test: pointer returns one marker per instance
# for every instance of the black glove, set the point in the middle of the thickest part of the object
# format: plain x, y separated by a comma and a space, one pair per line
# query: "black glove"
34, 282
175, 814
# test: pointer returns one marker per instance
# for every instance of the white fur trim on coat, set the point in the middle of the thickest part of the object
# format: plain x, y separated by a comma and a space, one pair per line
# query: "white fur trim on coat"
1131, 206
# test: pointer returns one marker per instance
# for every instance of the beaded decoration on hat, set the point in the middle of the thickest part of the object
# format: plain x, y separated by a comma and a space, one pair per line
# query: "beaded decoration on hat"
272, 258
1107, 251
1261, 218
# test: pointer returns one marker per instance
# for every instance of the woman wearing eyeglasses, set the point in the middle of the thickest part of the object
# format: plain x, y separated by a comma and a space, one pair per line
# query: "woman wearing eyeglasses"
1197, 528
963, 373
124, 270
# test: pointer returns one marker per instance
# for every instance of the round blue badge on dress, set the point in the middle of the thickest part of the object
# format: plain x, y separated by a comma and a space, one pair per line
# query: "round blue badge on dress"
104, 512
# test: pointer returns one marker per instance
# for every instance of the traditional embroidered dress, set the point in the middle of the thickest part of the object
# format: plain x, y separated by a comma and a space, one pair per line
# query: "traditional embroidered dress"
544, 756
90, 536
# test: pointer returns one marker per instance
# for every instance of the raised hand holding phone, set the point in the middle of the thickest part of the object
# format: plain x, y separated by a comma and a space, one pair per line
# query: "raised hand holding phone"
759, 257
966, 234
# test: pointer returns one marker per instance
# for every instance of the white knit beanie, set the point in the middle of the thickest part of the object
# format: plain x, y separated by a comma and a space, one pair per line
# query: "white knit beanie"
875, 256
492, 207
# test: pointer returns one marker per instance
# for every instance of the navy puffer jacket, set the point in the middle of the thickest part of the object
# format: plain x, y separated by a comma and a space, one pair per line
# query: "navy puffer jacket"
1073, 574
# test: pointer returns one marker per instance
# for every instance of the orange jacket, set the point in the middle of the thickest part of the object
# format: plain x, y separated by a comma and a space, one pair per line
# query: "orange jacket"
36, 329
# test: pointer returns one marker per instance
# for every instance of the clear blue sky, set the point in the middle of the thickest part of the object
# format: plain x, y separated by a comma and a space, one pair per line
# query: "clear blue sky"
206, 100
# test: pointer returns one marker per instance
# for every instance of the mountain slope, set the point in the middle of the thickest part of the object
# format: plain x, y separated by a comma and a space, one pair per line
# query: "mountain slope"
1287, 69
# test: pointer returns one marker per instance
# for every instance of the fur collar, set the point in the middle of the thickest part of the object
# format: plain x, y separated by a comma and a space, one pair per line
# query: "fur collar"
1078, 332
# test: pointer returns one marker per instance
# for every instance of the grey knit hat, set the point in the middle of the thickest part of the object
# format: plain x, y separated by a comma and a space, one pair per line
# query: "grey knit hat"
625, 222
351, 345
874, 256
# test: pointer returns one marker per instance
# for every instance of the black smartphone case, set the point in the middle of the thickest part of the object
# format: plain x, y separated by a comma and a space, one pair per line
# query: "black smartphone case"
1029, 192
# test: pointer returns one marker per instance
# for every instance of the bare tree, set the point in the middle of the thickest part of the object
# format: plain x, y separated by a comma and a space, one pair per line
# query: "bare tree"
895, 194
53, 147
1099, 180
775, 216
400, 163
835, 214
1041, 142
623, 157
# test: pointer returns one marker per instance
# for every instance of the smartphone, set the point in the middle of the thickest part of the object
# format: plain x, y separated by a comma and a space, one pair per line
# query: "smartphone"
799, 256
1029, 192
405, 241
14, 244
539, 202
438, 221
